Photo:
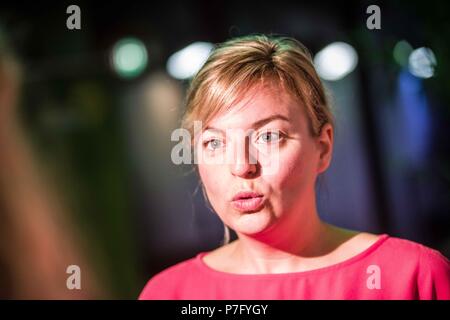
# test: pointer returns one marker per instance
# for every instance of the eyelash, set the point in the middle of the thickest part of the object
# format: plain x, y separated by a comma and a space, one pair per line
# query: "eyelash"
205, 144
281, 135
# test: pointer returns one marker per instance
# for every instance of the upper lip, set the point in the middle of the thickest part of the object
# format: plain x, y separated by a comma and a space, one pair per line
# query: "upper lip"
246, 194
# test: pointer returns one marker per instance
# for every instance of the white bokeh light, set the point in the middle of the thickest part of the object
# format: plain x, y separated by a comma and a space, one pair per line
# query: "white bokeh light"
335, 61
422, 62
187, 62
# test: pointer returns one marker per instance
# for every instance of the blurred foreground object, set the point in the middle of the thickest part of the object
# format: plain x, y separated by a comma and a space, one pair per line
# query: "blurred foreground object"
37, 241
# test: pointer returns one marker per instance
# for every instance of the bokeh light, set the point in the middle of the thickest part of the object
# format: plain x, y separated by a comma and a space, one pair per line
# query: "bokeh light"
401, 53
185, 63
335, 61
129, 57
422, 63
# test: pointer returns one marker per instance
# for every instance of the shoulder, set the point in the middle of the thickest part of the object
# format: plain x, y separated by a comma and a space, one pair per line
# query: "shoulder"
163, 285
434, 274
400, 249
406, 255
430, 268
411, 249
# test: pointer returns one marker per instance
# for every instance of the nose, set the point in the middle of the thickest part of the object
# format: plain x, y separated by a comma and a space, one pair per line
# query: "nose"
244, 164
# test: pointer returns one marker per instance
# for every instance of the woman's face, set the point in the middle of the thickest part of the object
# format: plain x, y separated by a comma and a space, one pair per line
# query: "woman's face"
264, 145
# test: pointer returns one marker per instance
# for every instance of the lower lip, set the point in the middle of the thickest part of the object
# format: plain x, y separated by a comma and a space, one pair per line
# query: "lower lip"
248, 205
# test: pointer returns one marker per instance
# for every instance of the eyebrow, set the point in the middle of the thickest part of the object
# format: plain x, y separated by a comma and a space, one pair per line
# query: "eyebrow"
258, 123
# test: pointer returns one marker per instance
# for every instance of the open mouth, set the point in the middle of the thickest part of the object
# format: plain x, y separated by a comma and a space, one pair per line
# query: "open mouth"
248, 203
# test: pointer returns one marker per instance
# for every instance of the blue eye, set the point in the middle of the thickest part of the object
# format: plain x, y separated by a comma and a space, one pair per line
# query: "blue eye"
269, 136
213, 144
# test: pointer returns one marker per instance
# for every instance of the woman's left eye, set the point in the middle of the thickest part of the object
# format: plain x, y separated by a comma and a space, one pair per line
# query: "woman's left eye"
269, 136
212, 144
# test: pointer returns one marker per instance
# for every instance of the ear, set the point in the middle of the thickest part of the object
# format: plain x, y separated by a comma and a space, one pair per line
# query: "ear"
325, 147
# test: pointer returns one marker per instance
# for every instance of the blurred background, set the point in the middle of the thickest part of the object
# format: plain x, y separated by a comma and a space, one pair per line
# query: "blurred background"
86, 116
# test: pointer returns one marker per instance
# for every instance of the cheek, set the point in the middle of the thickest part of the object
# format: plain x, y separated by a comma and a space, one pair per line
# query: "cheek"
206, 176
214, 185
296, 169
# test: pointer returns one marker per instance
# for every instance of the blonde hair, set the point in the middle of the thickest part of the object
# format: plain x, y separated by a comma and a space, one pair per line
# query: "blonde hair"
241, 64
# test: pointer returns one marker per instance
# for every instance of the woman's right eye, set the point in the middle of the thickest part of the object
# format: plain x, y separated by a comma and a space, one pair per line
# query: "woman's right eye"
213, 144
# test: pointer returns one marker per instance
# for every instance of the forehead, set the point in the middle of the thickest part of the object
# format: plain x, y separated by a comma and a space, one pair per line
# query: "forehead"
257, 104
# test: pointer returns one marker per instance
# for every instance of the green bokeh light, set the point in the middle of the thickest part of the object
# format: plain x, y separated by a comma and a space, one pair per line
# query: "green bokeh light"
129, 57
402, 50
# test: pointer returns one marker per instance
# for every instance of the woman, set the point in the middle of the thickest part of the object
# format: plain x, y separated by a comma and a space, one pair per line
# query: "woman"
260, 100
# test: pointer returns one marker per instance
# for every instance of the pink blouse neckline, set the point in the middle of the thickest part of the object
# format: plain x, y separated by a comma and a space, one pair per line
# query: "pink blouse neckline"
206, 268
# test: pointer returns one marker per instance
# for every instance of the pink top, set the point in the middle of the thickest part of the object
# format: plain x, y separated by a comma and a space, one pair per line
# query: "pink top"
391, 268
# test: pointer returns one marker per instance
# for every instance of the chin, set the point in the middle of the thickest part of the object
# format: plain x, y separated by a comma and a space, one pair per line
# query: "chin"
252, 223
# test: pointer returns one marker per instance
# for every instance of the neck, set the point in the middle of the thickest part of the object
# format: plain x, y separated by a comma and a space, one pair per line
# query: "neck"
286, 245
